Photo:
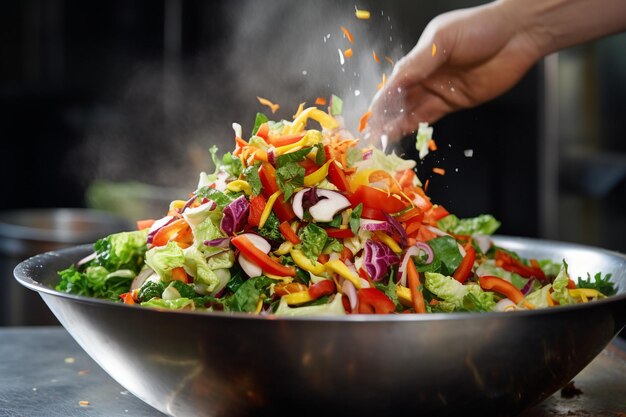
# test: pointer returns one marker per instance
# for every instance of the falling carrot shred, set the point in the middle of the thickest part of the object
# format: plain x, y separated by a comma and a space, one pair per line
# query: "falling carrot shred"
362, 14
348, 34
426, 185
268, 103
376, 58
382, 83
320, 101
348, 53
364, 119
439, 171
434, 49
388, 59
432, 145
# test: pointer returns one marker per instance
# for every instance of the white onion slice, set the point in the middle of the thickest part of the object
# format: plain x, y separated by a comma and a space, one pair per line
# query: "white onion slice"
297, 203
348, 289
505, 305
258, 241
483, 242
325, 209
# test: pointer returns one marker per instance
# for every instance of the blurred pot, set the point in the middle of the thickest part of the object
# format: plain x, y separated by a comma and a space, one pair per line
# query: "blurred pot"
24, 233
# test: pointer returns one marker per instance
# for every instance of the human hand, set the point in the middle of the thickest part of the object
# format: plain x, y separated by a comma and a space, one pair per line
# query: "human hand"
462, 59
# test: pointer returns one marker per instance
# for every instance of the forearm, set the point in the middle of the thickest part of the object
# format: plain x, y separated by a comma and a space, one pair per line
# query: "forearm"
558, 24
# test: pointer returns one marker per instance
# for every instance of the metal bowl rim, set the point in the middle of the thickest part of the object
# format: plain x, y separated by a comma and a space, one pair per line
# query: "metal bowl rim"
22, 276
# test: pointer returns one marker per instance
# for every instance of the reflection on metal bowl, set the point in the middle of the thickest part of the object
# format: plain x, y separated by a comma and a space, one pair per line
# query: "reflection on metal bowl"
218, 364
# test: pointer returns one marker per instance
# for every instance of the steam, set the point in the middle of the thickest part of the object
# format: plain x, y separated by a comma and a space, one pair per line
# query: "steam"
165, 120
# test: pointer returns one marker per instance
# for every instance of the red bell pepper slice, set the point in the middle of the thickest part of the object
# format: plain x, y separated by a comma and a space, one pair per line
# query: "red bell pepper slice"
435, 213
413, 281
263, 131
339, 233
378, 199
288, 233
257, 205
374, 301
127, 297
179, 274
144, 224
309, 166
261, 259
499, 285
284, 140
168, 232
337, 177
512, 264
465, 268
267, 175
322, 288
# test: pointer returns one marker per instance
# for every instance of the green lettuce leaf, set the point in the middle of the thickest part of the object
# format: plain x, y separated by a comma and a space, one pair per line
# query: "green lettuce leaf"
247, 296
447, 252
162, 259
484, 224
457, 296
559, 285
123, 250
313, 240
177, 304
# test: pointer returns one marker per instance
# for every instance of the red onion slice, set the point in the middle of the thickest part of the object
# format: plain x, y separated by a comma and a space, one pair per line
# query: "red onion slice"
414, 251
528, 286
271, 156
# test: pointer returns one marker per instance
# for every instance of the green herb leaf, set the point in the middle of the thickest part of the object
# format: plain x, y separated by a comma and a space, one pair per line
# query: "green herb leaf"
313, 240
290, 157
447, 252
258, 121
221, 199
271, 229
320, 155
355, 219
247, 296
289, 177
252, 177
603, 285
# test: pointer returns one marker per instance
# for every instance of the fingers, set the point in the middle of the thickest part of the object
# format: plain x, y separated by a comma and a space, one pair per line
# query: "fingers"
403, 91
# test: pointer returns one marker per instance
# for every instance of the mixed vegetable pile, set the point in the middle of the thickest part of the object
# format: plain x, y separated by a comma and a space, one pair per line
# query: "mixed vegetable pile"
304, 221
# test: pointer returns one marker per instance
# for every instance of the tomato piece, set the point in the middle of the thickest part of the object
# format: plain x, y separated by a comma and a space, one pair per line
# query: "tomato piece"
497, 284
145, 224
261, 259
322, 288
345, 254
169, 232
339, 233
257, 205
434, 214
465, 268
127, 297
374, 301
378, 199
337, 177
179, 274
424, 234
288, 233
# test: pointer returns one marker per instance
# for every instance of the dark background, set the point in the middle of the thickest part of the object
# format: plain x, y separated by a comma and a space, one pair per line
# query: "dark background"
135, 92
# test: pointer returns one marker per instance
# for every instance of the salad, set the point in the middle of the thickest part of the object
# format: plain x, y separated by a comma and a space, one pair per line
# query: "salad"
301, 220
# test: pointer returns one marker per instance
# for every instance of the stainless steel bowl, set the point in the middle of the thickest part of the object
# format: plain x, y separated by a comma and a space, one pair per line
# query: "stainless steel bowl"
218, 364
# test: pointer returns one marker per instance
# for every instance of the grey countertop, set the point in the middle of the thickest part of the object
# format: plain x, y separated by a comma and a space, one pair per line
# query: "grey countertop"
45, 373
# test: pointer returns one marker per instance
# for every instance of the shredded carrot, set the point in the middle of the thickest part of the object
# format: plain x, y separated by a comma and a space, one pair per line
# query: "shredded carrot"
432, 145
434, 50
376, 58
388, 59
364, 119
362, 14
426, 185
269, 104
439, 171
382, 83
348, 53
348, 34
320, 101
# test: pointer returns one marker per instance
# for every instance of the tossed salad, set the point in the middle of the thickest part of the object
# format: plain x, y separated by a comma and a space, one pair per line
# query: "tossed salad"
301, 220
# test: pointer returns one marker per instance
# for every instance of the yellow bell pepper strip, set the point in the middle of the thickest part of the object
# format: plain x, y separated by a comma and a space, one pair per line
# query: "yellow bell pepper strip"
297, 298
318, 176
311, 137
388, 240
585, 293
239, 185
284, 248
268, 208
404, 295
325, 120
305, 263
261, 259
342, 270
